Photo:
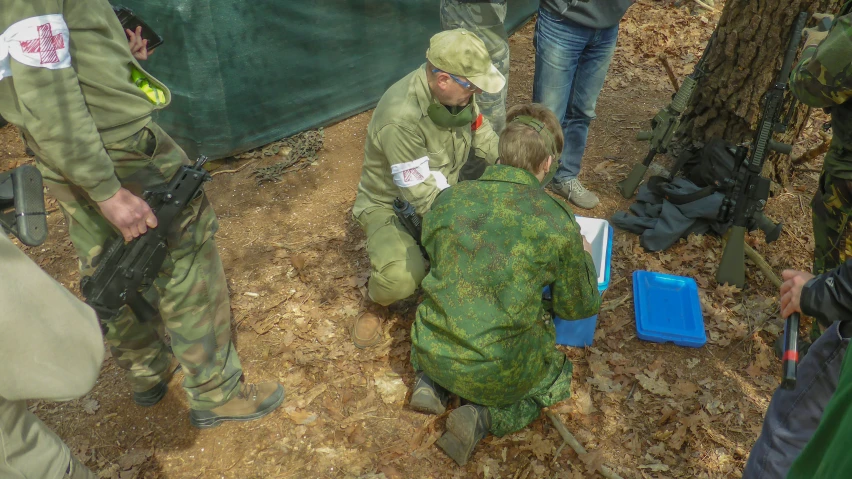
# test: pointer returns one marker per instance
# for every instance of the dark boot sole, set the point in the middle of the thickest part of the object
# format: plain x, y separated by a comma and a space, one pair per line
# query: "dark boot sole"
206, 423
459, 440
427, 405
151, 396
154, 395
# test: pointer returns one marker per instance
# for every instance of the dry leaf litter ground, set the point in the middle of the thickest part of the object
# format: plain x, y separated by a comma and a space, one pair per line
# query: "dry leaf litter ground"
296, 267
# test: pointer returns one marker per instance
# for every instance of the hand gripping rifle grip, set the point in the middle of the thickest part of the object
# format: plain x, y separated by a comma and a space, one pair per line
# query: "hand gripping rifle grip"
790, 359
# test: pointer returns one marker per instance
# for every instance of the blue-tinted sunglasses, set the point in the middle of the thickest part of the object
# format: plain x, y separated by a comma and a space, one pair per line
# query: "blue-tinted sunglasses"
464, 84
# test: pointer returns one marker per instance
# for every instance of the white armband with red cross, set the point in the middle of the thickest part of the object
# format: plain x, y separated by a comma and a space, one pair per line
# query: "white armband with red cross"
412, 173
40, 42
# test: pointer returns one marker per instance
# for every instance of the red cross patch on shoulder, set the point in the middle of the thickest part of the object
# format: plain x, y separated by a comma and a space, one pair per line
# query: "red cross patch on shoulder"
476, 123
40, 41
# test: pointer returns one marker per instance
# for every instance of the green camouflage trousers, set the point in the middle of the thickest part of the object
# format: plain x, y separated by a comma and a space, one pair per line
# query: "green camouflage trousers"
486, 21
555, 387
832, 207
193, 295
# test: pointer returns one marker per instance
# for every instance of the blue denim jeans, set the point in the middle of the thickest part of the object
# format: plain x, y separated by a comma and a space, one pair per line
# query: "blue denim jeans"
571, 62
793, 415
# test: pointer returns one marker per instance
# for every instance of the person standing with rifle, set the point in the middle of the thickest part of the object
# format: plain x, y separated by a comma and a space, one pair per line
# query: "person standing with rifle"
821, 79
69, 80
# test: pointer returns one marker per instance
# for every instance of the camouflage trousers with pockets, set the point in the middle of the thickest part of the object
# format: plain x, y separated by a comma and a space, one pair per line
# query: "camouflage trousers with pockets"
486, 20
555, 387
832, 208
191, 290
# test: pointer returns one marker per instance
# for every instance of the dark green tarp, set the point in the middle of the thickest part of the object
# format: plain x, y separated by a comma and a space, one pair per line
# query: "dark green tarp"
245, 73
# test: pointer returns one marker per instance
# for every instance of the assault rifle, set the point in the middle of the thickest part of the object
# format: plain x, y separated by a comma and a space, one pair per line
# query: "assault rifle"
664, 125
127, 270
750, 191
22, 205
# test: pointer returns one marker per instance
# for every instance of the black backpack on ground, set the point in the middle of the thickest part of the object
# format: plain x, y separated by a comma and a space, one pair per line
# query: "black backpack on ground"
712, 168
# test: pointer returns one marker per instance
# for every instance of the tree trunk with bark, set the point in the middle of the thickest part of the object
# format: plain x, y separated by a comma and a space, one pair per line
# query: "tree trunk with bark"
741, 65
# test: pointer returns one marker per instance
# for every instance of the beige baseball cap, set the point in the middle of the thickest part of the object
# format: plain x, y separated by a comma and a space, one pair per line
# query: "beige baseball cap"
462, 53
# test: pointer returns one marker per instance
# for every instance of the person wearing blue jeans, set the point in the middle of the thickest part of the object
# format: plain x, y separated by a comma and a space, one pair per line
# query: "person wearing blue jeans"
574, 43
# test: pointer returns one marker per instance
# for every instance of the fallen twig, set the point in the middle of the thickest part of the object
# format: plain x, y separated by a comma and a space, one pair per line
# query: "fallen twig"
233, 171
576, 446
761, 263
672, 78
705, 6
815, 151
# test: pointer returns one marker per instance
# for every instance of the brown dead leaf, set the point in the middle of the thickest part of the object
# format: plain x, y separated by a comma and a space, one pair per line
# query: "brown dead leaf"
653, 384
678, 438
298, 261
539, 446
754, 370
311, 395
300, 416
657, 450
656, 364
356, 437
684, 388
390, 472
133, 458
90, 405
592, 460
584, 403
665, 415
332, 409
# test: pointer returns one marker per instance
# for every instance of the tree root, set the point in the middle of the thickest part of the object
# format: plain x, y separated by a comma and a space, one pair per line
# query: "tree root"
575, 445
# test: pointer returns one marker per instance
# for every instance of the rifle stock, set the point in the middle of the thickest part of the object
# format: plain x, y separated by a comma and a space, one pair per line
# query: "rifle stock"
22, 205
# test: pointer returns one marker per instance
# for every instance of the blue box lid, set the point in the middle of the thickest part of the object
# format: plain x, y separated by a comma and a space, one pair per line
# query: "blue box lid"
667, 309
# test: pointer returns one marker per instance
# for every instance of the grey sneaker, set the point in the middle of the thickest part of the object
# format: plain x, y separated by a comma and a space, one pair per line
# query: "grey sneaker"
574, 191
427, 396
466, 426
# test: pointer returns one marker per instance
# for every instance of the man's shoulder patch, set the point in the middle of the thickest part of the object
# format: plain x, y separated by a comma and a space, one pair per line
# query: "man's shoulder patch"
40, 42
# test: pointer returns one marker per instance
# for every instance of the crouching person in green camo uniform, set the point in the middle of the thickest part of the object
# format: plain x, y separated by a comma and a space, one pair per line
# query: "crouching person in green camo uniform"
483, 331
68, 79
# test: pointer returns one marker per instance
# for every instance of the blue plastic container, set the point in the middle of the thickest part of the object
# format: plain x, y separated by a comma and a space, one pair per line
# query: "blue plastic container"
581, 332
668, 309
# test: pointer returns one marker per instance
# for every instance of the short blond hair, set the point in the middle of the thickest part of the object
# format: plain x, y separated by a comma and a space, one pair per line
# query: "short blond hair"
522, 146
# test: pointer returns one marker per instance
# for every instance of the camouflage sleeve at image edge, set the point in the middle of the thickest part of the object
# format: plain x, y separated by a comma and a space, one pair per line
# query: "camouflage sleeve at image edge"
823, 77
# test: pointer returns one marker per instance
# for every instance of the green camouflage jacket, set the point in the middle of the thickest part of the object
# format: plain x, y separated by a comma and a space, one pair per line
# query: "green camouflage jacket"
495, 243
823, 79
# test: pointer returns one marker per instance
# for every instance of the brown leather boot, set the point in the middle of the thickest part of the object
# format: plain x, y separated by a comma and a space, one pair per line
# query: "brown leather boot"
253, 401
367, 330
